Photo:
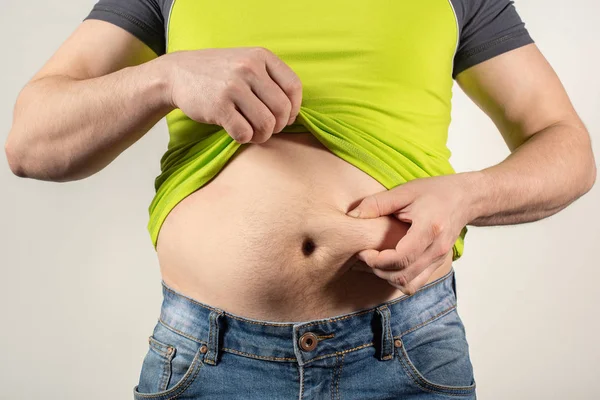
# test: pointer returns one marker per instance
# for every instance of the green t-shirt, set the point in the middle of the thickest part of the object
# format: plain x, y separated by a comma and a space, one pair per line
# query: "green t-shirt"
377, 77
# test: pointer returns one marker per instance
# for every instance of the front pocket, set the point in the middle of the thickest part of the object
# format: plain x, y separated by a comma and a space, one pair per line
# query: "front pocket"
160, 355
170, 366
436, 358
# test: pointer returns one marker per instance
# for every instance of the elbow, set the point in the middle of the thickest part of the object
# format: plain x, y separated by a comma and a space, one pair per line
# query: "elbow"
13, 159
27, 160
589, 176
592, 177
589, 169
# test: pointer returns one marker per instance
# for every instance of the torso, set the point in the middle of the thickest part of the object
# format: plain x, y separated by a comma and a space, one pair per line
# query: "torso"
268, 237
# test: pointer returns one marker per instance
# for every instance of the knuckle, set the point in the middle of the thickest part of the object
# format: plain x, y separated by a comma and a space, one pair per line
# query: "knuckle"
221, 116
282, 110
404, 261
241, 135
443, 248
245, 67
260, 50
233, 89
222, 107
294, 86
266, 123
225, 114
437, 227
399, 279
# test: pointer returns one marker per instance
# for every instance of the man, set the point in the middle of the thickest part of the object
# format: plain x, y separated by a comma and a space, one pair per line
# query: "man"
283, 118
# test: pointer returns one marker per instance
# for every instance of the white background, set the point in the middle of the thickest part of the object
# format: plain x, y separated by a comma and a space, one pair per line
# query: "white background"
80, 280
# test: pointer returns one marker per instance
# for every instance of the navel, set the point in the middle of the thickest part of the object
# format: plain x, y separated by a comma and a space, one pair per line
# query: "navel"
308, 247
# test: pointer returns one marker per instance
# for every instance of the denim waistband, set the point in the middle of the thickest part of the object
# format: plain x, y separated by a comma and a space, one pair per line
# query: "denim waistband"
283, 341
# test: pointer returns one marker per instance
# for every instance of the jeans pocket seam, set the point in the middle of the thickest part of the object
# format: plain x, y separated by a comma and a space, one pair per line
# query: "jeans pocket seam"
430, 320
426, 385
180, 387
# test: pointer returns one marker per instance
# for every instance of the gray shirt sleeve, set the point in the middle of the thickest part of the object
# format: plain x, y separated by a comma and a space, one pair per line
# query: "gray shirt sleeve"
487, 28
144, 19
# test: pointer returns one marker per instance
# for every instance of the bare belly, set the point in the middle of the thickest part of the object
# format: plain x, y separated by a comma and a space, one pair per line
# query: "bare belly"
268, 237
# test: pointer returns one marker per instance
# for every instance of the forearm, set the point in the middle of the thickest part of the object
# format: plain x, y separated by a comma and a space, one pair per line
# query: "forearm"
66, 129
541, 177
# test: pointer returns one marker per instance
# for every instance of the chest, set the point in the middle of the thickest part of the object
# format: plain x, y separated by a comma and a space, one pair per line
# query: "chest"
393, 41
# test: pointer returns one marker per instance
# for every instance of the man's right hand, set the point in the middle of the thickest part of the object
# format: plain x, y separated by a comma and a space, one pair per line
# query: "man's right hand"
249, 91
104, 88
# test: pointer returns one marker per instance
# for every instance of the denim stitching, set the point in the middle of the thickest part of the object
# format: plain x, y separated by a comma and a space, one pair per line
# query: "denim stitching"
322, 337
301, 369
391, 350
427, 321
333, 370
158, 346
181, 333
313, 359
399, 299
424, 381
197, 365
388, 330
268, 357
391, 302
340, 377
421, 382
468, 391
161, 349
340, 352
385, 332
211, 344
257, 356
402, 298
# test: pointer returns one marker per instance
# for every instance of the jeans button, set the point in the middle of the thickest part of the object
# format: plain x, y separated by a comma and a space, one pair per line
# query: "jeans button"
308, 341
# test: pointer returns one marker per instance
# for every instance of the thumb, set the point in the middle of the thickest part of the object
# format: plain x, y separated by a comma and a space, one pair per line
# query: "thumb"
382, 203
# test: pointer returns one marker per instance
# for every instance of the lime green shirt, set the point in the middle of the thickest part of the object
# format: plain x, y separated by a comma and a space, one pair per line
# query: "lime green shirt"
377, 77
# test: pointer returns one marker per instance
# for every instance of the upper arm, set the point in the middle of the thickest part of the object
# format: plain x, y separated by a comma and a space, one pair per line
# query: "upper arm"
116, 34
500, 68
521, 93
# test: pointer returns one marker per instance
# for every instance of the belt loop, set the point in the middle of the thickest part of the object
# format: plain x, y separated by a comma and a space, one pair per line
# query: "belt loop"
213, 338
386, 346
454, 285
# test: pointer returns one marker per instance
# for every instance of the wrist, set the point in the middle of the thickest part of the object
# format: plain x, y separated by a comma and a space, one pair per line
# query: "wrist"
158, 77
475, 187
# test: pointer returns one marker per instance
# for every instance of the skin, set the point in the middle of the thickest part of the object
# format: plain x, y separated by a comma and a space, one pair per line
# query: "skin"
104, 89
525, 99
85, 102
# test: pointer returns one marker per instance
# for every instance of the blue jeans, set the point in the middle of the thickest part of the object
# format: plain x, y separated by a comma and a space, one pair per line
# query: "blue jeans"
413, 347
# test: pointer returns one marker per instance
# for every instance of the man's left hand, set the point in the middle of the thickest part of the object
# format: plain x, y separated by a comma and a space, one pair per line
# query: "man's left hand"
437, 208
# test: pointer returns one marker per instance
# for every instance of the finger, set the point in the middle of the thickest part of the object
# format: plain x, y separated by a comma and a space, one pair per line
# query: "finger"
407, 274
362, 267
287, 80
408, 250
256, 113
383, 203
434, 255
410, 279
385, 260
236, 125
412, 245
273, 97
